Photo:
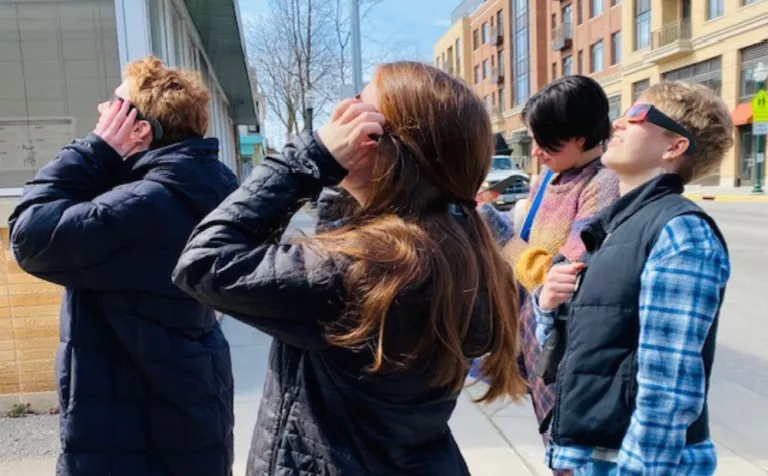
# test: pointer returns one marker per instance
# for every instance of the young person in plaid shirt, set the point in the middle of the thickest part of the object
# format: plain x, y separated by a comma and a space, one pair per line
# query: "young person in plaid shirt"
569, 123
640, 310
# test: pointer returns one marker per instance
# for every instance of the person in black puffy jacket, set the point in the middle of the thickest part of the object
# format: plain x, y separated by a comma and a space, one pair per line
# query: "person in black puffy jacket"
143, 371
375, 319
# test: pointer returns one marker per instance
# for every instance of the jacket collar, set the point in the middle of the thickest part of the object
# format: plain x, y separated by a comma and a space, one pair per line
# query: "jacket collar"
595, 232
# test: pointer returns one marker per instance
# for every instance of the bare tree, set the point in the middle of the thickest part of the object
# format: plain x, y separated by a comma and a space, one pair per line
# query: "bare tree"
302, 47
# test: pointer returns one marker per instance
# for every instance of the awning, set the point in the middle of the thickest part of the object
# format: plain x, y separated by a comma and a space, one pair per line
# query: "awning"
520, 137
218, 23
742, 114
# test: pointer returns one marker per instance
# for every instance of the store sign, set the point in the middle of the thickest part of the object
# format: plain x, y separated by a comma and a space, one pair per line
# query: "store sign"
760, 129
760, 113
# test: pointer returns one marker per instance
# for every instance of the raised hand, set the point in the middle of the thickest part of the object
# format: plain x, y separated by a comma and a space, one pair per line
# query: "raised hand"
115, 127
347, 136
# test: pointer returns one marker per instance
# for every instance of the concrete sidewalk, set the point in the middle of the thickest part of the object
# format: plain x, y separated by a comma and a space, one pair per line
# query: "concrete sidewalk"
724, 194
497, 439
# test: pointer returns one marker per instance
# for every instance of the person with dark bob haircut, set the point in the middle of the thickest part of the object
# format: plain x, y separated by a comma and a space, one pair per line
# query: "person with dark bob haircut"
569, 123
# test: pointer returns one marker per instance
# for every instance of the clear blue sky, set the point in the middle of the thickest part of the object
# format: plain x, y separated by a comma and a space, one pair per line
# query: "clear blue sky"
420, 22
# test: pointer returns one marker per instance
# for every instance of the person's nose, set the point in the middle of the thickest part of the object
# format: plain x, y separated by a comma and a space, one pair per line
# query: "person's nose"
536, 151
619, 123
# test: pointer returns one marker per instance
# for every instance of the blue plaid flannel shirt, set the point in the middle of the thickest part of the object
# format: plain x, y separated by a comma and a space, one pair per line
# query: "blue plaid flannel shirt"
679, 297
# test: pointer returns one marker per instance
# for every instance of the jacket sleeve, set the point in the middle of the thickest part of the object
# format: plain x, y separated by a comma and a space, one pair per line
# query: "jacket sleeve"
234, 262
70, 222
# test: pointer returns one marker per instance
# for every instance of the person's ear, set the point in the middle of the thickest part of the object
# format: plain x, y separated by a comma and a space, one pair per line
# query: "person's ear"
142, 133
676, 149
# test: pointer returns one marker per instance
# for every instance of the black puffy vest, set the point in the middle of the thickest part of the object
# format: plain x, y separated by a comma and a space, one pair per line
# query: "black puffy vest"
597, 377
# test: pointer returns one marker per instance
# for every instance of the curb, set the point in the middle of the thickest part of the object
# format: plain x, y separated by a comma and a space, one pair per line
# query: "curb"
728, 198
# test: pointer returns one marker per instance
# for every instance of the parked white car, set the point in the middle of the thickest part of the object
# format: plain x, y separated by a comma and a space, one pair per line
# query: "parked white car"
503, 168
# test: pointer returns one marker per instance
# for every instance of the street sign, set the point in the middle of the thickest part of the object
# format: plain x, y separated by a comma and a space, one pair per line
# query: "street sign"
760, 128
760, 107
760, 158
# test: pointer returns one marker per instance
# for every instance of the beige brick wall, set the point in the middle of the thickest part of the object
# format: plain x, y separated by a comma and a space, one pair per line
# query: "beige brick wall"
739, 27
29, 327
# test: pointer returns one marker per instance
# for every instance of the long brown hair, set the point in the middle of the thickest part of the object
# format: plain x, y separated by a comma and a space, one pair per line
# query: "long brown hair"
436, 150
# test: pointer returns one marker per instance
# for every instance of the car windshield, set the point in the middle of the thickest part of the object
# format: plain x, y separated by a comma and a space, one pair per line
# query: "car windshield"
502, 163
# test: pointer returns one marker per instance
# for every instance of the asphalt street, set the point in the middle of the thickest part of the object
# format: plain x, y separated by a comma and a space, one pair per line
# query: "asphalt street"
738, 401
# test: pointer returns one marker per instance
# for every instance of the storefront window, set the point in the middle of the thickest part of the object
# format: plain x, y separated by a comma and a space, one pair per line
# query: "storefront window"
709, 73
57, 62
750, 58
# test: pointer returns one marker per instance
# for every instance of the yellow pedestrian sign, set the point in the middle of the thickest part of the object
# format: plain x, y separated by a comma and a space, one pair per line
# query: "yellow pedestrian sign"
760, 107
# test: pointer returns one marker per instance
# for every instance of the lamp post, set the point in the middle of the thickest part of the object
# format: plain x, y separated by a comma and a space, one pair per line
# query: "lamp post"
357, 61
309, 104
760, 74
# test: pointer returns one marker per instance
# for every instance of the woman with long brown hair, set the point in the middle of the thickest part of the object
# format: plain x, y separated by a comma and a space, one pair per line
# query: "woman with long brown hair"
375, 322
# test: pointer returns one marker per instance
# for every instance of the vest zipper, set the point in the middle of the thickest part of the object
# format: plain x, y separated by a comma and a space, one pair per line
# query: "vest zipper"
558, 378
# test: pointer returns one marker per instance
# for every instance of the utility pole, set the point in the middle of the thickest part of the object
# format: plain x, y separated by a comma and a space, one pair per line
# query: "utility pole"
759, 124
357, 60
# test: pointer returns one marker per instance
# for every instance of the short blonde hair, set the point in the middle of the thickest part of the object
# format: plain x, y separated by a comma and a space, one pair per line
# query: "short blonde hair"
702, 113
176, 98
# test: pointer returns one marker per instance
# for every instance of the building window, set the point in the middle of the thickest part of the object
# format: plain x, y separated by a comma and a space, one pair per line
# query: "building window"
58, 61
614, 107
595, 8
500, 22
580, 66
568, 65
616, 48
486, 70
567, 14
750, 58
708, 73
715, 9
458, 57
615, 2
554, 71
485, 36
521, 66
597, 54
639, 88
500, 61
502, 100
580, 12
642, 24
477, 74
475, 40
158, 30
749, 2
553, 21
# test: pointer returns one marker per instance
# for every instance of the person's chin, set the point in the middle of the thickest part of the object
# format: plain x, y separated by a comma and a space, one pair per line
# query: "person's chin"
608, 157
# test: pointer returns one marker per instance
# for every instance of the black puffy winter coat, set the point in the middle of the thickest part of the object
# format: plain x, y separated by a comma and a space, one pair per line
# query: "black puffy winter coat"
321, 413
143, 371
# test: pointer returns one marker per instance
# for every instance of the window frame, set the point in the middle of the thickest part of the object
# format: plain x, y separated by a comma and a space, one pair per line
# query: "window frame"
642, 17
567, 60
715, 9
749, 65
596, 8
594, 54
616, 41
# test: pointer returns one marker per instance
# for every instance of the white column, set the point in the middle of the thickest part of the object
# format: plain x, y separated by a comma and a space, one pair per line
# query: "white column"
133, 33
